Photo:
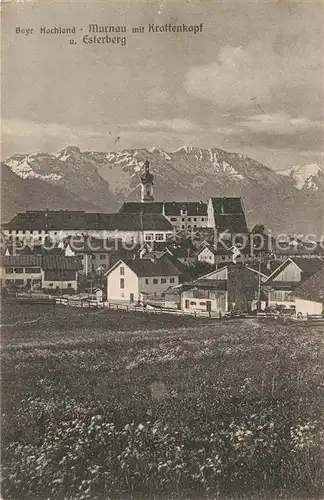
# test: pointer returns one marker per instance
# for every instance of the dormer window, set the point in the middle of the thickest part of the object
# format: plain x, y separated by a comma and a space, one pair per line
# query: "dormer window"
183, 210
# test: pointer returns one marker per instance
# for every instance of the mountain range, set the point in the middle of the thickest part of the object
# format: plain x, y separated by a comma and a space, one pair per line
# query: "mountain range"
285, 201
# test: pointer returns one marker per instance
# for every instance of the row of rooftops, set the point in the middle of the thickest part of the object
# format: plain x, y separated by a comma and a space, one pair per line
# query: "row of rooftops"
46, 262
133, 216
221, 205
57, 220
311, 288
168, 208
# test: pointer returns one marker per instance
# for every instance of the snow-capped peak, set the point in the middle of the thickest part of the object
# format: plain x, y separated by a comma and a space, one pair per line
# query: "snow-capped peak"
186, 149
305, 176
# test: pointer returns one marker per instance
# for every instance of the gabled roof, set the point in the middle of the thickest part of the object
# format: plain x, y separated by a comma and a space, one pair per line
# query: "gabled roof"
34, 250
211, 284
21, 260
148, 268
174, 208
254, 266
182, 268
46, 262
313, 288
58, 262
135, 207
79, 220
227, 205
307, 266
170, 208
229, 215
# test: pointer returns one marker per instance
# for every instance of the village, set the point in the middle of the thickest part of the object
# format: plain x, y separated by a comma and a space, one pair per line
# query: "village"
198, 258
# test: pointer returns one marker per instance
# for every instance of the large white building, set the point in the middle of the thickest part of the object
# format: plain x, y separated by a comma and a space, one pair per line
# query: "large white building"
43, 225
133, 280
222, 213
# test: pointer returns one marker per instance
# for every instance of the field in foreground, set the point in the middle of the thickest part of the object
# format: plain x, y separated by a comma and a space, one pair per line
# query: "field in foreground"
106, 404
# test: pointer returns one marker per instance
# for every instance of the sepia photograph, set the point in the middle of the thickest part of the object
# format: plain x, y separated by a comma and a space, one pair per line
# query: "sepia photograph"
162, 250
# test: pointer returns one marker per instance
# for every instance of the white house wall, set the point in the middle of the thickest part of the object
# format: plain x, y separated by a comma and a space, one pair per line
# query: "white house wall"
218, 304
308, 307
61, 285
156, 289
290, 273
206, 255
131, 285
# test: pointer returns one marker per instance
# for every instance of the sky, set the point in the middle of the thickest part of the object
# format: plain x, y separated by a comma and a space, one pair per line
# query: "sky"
250, 82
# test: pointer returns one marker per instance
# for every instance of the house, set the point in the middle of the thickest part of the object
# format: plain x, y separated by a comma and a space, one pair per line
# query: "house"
233, 286
133, 280
183, 215
60, 272
94, 253
223, 214
41, 225
221, 255
226, 216
282, 282
41, 271
21, 270
309, 296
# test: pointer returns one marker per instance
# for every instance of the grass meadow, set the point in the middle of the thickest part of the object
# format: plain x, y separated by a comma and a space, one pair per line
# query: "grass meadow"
107, 404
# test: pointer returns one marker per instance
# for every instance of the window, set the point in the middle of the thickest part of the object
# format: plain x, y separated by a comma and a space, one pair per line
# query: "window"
163, 280
189, 219
159, 236
202, 219
195, 219
146, 281
186, 304
192, 303
122, 283
183, 220
69, 285
173, 219
182, 227
195, 226
202, 303
122, 271
149, 237
155, 281
9, 270
31, 270
102, 256
171, 280
19, 270
19, 282
50, 284
8, 282
189, 227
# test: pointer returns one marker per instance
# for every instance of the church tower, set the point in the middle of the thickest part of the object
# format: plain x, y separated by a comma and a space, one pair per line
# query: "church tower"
147, 183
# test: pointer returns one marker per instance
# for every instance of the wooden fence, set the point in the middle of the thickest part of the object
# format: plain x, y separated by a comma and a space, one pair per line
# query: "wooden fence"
132, 307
